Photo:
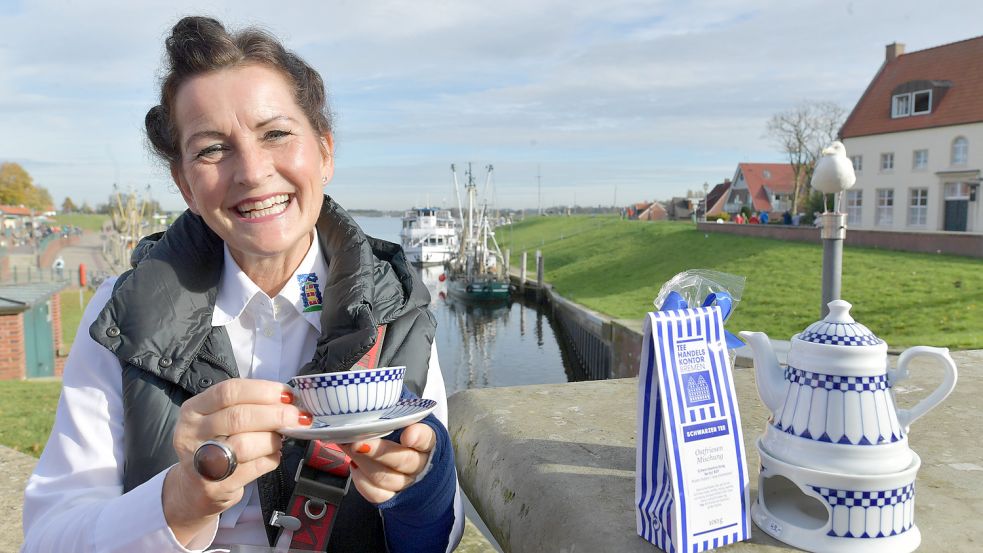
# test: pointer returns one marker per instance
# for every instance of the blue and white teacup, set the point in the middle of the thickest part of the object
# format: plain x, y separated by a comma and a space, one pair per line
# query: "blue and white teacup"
349, 396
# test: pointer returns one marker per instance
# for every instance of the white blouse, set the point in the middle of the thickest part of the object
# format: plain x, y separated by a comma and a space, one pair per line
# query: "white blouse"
74, 500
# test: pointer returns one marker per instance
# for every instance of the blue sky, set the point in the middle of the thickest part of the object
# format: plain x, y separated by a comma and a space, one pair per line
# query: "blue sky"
627, 100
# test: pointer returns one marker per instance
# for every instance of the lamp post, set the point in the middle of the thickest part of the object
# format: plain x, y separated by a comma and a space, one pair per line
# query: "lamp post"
833, 175
706, 206
833, 233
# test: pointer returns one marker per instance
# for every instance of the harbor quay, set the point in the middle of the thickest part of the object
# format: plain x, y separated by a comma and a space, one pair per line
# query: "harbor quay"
551, 468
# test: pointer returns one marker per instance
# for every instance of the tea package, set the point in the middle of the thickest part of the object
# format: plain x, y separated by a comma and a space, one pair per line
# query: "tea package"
691, 481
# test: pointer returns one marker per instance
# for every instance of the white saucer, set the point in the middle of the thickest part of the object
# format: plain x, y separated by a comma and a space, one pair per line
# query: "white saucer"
403, 414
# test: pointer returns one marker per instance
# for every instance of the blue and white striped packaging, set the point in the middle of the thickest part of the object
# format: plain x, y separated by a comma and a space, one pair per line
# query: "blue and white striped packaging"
691, 478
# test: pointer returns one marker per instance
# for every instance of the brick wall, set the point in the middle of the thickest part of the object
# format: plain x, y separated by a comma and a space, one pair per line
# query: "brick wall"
12, 355
53, 248
950, 243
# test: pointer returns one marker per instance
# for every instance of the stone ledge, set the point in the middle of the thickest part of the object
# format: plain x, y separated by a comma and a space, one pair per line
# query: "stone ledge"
551, 467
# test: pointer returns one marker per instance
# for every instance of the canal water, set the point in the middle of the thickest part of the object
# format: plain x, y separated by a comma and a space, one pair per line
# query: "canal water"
484, 346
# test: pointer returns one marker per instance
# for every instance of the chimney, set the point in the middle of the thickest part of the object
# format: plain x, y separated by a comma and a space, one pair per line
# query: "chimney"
894, 50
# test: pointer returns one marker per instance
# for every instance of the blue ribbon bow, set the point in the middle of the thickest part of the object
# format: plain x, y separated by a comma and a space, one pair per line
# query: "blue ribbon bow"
723, 300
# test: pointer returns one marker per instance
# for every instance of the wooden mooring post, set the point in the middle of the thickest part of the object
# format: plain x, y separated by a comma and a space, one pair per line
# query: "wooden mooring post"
540, 279
522, 276
508, 257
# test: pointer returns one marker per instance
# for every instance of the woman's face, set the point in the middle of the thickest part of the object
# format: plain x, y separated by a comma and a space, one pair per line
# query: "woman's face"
251, 163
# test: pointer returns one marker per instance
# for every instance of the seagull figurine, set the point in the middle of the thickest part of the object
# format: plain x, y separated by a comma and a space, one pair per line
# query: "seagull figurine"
834, 172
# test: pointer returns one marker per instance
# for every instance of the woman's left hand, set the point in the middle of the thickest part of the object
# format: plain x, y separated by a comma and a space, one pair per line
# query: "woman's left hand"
381, 468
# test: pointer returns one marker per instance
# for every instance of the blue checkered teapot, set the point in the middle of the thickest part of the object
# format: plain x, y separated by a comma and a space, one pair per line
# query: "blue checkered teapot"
832, 407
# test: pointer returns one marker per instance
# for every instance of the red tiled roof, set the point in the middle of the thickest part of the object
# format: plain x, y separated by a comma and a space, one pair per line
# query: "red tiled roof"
15, 210
777, 177
960, 63
718, 197
655, 212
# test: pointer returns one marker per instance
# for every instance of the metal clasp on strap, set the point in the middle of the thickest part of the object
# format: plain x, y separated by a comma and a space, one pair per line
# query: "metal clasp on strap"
313, 483
285, 521
316, 503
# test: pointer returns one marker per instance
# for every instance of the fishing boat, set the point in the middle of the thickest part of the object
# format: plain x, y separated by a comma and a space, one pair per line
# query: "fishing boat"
429, 236
478, 272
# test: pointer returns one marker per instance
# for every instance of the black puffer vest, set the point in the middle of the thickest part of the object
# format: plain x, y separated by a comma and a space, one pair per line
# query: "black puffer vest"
158, 323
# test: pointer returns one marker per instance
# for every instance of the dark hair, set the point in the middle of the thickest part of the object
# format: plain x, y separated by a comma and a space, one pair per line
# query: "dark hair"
201, 44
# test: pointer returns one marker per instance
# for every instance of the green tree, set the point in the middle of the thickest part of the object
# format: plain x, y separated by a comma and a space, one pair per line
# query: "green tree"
39, 198
15, 184
87, 209
68, 206
17, 188
815, 204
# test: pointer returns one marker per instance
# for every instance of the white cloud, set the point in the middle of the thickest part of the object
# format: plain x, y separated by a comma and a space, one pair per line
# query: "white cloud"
654, 97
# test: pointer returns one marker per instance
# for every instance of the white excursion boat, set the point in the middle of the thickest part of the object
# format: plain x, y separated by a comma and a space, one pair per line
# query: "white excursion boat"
429, 236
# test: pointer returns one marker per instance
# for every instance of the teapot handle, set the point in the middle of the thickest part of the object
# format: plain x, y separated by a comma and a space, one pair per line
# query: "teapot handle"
908, 416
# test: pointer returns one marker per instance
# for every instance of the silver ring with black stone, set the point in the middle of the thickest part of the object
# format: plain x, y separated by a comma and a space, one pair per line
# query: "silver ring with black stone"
214, 460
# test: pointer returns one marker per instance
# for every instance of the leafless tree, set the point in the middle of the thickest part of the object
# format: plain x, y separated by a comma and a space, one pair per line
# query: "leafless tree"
801, 133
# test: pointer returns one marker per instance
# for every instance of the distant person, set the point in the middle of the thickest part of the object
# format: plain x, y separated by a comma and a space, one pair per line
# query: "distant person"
754, 219
739, 218
764, 218
58, 267
166, 435
786, 218
796, 219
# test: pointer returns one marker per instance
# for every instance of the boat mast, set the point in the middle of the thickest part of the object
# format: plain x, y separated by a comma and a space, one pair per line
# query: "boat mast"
460, 210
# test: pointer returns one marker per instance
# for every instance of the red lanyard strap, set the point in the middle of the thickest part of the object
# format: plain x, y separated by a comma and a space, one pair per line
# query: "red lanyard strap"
322, 482
322, 479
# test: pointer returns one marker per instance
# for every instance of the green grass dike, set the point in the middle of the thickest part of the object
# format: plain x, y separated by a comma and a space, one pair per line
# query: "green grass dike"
617, 267
90, 222
27, 413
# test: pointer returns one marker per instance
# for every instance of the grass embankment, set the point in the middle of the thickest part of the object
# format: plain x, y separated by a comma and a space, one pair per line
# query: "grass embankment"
90, 222
71, 314
616, 267
27, 407
27, 412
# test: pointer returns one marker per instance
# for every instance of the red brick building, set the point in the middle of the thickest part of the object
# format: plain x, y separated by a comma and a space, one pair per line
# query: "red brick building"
30, 330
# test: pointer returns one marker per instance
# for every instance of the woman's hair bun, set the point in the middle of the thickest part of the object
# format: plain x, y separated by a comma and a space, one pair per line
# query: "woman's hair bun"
199, 44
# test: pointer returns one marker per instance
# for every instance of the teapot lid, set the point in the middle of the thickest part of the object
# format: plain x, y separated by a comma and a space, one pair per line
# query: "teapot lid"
839, 329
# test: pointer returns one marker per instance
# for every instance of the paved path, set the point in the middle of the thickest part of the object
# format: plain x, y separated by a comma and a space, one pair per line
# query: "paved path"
88, 250
15, 467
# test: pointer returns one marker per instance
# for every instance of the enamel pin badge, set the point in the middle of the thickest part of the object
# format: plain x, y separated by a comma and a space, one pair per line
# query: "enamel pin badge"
310, 292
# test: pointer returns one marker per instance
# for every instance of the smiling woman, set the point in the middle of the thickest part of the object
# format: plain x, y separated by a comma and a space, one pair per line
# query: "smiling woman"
169, 434
252, 166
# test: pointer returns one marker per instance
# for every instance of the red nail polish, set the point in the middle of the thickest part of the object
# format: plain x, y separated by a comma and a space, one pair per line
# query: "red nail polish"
354, 465
306, 419
286, 397
364, 448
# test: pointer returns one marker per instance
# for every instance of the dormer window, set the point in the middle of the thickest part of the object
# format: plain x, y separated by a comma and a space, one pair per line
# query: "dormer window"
901, 106
766, 174
911, 103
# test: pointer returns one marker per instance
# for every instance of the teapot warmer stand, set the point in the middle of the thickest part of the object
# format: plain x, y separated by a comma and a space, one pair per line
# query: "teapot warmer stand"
837, 513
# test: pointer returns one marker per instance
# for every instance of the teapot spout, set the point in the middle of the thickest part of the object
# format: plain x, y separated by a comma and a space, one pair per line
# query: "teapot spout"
768, 372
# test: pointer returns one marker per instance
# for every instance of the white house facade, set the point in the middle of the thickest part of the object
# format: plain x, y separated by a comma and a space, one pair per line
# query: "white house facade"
924, 179
916, 141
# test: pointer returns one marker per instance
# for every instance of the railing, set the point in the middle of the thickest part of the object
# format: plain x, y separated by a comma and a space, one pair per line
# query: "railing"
583, 334
586, 335
27, 275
